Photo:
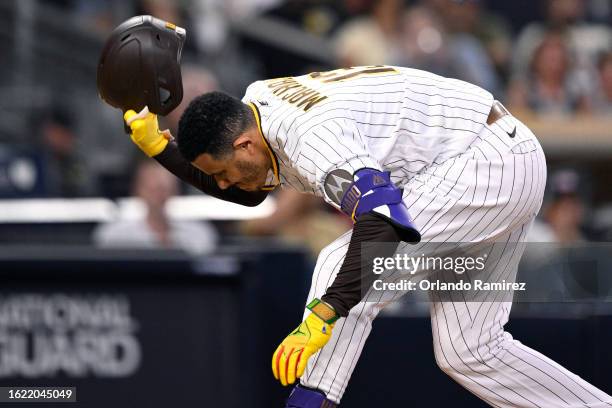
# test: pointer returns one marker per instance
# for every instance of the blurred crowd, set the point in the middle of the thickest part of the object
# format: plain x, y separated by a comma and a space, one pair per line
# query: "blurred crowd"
540, 57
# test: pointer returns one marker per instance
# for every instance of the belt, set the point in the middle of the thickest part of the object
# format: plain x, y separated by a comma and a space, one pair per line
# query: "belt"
497, 112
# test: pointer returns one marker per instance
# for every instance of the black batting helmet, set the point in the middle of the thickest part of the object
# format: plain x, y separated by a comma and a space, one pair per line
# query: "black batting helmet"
140, 66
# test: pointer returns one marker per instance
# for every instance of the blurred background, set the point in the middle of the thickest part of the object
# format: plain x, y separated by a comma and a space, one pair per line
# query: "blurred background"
120, 280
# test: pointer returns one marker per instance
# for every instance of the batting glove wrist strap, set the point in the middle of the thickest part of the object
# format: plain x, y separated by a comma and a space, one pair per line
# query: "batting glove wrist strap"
324, 311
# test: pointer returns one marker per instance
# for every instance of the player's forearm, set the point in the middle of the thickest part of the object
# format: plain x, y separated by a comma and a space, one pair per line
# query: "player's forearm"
172, 160
346, 290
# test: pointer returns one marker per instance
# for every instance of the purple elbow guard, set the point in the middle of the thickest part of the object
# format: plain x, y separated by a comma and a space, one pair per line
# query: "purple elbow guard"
374, 192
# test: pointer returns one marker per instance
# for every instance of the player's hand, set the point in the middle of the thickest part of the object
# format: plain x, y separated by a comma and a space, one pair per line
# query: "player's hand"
145, 131
290, 358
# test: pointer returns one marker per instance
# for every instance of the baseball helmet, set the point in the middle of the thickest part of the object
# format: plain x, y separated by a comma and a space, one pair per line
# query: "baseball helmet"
140, 66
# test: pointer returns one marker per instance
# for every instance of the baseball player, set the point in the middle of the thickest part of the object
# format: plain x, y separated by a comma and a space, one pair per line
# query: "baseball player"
410, 156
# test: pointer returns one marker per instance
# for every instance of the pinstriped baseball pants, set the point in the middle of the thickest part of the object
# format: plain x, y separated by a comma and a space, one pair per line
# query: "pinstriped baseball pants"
491, 192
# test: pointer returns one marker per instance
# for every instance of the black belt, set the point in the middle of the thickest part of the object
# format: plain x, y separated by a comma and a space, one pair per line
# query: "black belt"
497, 112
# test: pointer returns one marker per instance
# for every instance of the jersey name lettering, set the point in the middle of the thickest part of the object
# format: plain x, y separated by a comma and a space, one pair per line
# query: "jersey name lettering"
295, 93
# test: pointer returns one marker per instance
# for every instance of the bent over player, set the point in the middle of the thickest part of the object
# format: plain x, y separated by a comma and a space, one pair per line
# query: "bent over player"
410, 156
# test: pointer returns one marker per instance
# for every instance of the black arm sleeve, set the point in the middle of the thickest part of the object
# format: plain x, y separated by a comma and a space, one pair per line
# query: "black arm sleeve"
172, 160
346, 290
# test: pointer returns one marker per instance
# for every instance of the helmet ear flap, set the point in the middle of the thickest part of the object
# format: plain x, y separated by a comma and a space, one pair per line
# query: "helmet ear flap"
164, 96
140, 66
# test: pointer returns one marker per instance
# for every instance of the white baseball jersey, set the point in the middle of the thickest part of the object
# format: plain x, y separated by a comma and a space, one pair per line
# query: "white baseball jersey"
464, 181
388, 118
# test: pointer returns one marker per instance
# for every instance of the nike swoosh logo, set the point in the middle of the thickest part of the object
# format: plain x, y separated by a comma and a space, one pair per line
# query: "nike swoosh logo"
513, 133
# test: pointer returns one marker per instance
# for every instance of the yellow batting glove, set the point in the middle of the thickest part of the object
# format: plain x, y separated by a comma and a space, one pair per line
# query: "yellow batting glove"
290, 358
145, 131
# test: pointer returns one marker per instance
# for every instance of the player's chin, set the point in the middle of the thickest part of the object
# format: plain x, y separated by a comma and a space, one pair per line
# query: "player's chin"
247, 187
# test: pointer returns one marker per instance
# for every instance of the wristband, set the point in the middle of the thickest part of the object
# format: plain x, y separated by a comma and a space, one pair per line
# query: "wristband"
324, 311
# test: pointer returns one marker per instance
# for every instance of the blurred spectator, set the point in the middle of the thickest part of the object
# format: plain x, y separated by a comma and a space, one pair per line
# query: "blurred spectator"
551, 85
154, 185
212, 19
423, 41
101, 16
174, 12
373, 39
109, 151
65, 172
491, 30
601, 97
563, 215
427, 45
300, 218
211, 24
196, 81
317, 17
245, 8
585, 40
167, 10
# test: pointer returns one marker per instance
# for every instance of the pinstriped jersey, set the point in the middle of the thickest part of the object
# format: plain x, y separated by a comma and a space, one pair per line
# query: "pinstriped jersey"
387, 118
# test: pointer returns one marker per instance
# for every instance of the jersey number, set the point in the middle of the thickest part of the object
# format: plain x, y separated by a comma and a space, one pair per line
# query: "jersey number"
344, 74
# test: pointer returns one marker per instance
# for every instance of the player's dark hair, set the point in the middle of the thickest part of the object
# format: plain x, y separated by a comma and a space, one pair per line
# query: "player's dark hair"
211, 123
